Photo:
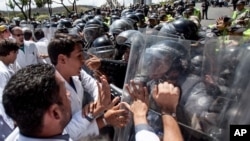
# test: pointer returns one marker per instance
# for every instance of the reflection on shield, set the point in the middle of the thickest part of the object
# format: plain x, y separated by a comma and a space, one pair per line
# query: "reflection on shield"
226, 78
211, 100
153, 58
49, 32
91, 33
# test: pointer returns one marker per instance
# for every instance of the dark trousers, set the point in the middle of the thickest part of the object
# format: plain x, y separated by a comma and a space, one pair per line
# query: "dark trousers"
204, 12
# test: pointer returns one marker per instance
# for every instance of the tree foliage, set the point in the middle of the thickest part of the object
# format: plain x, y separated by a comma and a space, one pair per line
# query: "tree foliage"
62, 3
40, 3
10, 4
22, 5
25, 6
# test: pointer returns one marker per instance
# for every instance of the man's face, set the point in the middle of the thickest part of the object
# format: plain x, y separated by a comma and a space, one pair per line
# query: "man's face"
220, 24
75, 61
90, 34
153, 22
65, 97
6, 34
155, 64
239, 7
18, 36
12, 56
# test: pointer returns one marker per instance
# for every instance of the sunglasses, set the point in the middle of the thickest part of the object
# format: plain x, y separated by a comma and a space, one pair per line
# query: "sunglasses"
18, 35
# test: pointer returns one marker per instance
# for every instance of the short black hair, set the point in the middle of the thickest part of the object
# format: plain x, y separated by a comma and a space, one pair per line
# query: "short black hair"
62, 44
27, 34
29, 94
6, 46
39, 34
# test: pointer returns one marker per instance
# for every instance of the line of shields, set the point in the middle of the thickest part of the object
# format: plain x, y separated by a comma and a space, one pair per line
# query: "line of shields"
213, 77
47, 28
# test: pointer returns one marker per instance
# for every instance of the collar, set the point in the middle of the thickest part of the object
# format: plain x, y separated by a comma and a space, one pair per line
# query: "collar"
3, 65
64, 137
22, 48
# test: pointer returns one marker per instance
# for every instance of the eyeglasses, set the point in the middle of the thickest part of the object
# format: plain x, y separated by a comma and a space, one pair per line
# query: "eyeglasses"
18, 35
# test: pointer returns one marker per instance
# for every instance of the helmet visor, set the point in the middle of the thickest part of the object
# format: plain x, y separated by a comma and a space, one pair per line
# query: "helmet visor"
90, 34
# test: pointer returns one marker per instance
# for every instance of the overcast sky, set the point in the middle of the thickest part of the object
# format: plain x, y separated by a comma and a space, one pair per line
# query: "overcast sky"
81, 2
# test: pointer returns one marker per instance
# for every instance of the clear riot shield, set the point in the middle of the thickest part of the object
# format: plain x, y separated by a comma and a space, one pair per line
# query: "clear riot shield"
103, 51
49, 32
226, 77
152, 59
27, 25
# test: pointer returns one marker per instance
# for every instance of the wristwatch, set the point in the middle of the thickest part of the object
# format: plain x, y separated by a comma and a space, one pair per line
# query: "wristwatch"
90, 117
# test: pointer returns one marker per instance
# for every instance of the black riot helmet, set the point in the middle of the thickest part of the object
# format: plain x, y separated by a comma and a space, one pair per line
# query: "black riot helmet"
153, 20
196, 64
87, 17
99, 17
80, 26
126, 37
141, 17
77, 28
120, 25
113, 18
64, 23
77, 21
176, 3
124, 40
102, 41
94, 23
93, 29
125, 11
163, 57
132, 17
103, 47
181, 27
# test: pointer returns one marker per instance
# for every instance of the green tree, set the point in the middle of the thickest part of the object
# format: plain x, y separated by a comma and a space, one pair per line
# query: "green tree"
74, 7
12, 6
62, 3
24, 5
42, 3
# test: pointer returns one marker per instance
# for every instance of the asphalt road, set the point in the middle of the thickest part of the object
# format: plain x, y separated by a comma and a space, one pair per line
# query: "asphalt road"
214, 13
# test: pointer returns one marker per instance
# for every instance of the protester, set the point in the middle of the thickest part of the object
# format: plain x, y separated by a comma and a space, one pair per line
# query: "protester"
27, 54
8, 54
141, 56
140, 106
46, 111
4, 32
66, 54
42, 46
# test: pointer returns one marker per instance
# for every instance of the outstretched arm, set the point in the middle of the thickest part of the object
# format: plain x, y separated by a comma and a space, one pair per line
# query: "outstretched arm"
139, 108
167, 96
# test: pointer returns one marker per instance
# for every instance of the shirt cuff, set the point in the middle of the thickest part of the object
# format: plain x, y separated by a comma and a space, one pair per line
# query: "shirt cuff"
141, 127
